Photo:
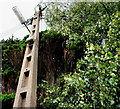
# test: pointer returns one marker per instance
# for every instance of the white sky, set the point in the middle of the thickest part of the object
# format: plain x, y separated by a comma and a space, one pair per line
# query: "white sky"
9, 22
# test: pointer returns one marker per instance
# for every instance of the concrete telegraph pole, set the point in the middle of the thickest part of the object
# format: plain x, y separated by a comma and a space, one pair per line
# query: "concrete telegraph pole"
26, 94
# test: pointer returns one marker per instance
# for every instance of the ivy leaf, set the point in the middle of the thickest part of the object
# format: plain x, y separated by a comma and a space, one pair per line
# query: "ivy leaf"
112, 102
111, 81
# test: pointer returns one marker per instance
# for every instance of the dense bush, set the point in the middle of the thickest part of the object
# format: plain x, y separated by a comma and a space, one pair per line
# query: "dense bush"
95, 82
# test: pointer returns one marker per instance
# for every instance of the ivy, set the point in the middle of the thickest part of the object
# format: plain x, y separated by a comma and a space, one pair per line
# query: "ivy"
95, 81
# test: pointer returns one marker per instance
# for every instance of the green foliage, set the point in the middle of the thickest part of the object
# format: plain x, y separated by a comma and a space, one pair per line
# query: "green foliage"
18, 75
46, 35
16, 47
95, 82
99, 70
86, 21
6, 97
23, 42
8, 70
12, 56
7, 100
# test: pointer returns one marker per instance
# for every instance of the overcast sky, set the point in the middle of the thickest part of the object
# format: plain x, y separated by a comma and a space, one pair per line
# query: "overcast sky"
9, 23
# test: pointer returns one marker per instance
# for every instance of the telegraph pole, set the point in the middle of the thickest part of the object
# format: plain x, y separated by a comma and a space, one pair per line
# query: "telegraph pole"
26, 94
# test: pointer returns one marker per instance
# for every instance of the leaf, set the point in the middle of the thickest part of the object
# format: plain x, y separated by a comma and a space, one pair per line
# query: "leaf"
112, 102
102, 52
102, 102
113, 75
111, 81
118, 52
55, 101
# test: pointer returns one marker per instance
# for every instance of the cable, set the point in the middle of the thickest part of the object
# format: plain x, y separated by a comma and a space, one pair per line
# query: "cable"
27, 28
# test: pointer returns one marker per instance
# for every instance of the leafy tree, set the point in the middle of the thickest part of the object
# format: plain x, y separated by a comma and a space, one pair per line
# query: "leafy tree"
74, 19
95, 82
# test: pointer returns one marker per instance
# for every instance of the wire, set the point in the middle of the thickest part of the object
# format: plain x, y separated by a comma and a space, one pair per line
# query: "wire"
27, 28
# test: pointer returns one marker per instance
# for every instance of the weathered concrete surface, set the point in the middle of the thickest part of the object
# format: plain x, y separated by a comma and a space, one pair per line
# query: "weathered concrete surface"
27, 85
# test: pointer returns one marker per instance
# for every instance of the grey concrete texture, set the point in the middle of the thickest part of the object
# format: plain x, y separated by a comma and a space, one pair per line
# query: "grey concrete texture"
26, 94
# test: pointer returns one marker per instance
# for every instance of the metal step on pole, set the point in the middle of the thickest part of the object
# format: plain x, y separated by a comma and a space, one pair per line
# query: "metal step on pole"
26, 94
